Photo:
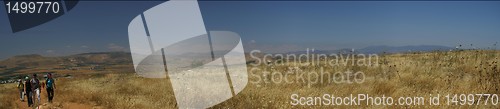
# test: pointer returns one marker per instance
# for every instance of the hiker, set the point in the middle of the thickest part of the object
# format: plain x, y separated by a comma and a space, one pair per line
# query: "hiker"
49, 82
20, 87
35, 86
28, 91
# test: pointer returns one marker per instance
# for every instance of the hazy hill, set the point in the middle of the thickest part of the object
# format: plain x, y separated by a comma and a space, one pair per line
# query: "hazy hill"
35, 60
102, 58
29, 61
382, 49
401, 49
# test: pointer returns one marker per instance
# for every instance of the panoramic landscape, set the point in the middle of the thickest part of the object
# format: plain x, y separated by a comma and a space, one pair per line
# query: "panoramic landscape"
245, 54
80, 84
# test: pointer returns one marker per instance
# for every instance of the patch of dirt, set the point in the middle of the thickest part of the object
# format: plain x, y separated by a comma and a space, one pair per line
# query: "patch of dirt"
54, 105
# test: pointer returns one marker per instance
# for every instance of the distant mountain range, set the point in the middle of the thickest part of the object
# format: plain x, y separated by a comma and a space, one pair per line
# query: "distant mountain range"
382, 49
107, 58
35, 60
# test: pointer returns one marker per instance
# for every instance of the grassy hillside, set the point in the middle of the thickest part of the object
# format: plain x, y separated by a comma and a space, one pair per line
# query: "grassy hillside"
397, 75
35, 60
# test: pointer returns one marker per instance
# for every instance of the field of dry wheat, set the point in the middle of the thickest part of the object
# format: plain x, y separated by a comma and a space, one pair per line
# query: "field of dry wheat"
396, 75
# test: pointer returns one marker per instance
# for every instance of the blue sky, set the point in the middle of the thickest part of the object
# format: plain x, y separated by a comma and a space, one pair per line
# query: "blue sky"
272, 26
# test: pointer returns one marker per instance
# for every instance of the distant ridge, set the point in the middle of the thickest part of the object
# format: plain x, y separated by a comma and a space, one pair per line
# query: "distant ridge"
382, 49
402, 49
36, 60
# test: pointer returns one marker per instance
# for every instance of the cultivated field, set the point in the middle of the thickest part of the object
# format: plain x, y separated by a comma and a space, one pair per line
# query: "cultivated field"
395, 75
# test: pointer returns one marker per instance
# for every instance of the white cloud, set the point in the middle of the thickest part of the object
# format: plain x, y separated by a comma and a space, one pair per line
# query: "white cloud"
50, 51
251, 41
114, 47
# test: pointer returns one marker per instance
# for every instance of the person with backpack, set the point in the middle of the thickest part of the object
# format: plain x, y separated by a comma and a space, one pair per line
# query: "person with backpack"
35, 86
28, 91
20, 87
50, 86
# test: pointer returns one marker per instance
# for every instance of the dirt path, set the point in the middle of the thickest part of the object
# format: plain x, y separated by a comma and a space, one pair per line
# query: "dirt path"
54, 105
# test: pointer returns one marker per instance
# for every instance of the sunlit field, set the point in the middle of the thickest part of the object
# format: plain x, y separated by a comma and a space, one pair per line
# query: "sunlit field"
396, 75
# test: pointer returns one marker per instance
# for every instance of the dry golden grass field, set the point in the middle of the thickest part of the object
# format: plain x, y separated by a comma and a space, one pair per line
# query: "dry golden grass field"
396, 75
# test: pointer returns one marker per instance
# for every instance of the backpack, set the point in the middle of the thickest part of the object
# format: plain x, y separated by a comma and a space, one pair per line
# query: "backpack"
36, 83
28, 86
49, 82
20, 85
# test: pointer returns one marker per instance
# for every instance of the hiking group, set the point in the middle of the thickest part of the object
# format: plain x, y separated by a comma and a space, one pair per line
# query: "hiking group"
31, 87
